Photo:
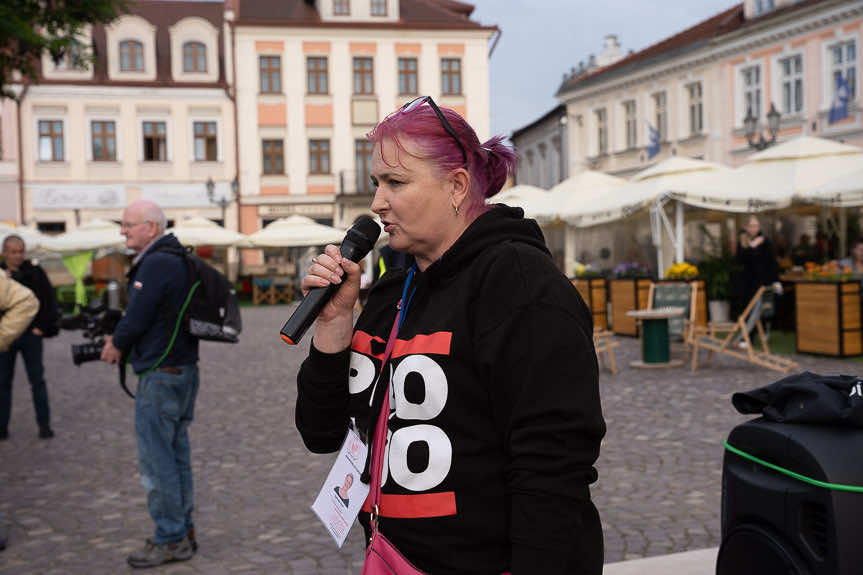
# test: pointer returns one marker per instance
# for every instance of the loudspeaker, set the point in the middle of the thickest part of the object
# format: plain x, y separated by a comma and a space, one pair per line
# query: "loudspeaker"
774, 523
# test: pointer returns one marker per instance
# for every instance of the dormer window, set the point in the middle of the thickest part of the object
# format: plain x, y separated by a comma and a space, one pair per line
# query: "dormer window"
763, 6
342, 7
195, 57
131, 56
379, 7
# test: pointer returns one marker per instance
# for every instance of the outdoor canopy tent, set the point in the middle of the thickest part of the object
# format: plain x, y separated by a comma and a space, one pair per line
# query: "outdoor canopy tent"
644, 189
93, 235
772, 179
198, 231
572, 195
293, 231
844, 191
524, 196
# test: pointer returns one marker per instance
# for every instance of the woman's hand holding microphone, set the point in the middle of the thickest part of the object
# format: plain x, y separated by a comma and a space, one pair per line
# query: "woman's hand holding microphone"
334, 325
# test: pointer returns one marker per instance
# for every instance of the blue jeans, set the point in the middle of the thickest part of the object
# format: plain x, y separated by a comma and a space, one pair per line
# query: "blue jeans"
30, 346
164, 408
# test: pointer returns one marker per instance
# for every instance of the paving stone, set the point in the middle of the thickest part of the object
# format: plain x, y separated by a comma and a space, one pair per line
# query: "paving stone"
74, 504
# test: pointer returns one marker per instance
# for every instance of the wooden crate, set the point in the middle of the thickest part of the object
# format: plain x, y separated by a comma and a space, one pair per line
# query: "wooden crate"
627, 295
828, 318
594, 293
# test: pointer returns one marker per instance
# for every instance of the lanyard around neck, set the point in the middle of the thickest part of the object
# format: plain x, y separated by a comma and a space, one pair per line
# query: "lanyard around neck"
406, 299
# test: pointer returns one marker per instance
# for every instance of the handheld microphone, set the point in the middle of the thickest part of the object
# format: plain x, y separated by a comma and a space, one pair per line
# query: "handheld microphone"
359, 241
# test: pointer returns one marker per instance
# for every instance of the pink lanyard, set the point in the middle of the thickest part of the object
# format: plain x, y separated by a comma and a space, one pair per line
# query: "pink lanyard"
380, 437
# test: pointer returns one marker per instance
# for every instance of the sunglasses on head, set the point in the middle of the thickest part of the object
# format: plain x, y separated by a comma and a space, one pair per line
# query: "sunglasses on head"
414, 104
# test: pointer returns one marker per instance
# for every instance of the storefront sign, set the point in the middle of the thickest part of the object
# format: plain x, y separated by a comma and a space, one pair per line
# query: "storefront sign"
77, 196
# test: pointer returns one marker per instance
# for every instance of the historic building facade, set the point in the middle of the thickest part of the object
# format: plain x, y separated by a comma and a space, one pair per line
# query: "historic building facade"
315, 77
149, 116
695, 89
9, 181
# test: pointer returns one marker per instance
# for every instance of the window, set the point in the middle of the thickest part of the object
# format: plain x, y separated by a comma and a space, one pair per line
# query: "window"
407, 77
73, 57
695, 109
274, 157
792, 84
364, 76
751, 91
104, 141
271, 74
450, 70
659, 101
844, 65
602, 131
194, 57
316, 69
206, 142
341, 7
155, 142
319, 156
379, 7
131, 56
363, 151
51, 141
631, 124
762, 6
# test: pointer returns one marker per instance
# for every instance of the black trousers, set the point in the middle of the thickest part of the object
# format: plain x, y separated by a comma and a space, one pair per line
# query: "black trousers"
30, 347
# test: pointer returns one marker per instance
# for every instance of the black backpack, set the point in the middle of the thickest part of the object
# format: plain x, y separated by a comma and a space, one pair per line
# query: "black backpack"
210, 311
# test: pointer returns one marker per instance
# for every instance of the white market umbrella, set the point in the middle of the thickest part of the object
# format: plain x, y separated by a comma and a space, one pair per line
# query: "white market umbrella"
294, 231
524, 196
844, 191
772, 179
665, 178
575, 194
32, 238
198, 231
93, 235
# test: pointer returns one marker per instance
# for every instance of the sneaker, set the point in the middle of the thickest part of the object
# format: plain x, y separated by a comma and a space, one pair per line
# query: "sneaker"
45, 433
4, 434
3, 536
154, 554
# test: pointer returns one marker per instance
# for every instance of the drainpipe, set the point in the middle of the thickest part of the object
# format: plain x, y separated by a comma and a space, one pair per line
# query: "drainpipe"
18, 103
231, 90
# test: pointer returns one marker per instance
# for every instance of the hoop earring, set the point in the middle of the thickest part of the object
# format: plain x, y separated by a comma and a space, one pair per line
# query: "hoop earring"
456, 209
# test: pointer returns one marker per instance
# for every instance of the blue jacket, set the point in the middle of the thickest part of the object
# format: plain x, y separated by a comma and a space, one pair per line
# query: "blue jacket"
158, 286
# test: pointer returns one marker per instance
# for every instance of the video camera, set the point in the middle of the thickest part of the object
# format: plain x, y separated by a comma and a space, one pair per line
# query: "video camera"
97, 320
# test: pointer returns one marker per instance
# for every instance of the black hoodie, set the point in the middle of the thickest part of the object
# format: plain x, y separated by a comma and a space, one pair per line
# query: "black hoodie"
34, 277
495, 420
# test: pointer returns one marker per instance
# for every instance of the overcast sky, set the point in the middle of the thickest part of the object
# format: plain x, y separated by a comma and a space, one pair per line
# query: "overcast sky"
544, 38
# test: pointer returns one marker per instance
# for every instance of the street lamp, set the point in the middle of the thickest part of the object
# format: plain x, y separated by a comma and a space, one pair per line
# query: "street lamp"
750, 125
222, 202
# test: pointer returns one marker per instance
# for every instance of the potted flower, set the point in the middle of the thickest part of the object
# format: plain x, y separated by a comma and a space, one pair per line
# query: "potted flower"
630, 270
681, 271
716, 272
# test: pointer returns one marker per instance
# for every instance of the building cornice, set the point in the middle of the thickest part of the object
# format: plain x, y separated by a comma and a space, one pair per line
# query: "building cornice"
136, 90
728, 46
250, 23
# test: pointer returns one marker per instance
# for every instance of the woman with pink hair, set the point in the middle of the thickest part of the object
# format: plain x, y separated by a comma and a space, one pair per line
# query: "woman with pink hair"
494, 422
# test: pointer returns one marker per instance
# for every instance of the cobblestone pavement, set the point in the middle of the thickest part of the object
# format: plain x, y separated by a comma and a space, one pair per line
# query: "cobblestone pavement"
74, 504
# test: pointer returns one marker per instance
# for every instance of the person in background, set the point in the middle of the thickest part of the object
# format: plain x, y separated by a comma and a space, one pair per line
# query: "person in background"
804, 251
854, 261
496, 420
18, 307
757, 266
167, 385
30, 343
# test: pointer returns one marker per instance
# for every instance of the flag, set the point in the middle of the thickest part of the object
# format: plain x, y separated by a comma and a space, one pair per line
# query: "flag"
653, 147
839, 109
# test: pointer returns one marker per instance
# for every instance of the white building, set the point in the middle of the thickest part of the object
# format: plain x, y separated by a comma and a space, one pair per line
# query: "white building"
315, 77
150, 118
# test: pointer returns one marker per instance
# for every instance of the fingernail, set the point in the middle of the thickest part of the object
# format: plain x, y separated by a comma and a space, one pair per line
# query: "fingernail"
337, 279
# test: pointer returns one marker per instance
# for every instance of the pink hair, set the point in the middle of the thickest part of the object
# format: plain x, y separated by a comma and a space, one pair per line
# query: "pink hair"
488, 164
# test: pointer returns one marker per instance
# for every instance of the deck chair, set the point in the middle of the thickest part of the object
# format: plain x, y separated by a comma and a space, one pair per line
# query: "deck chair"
707, 337
604, 343
676, 294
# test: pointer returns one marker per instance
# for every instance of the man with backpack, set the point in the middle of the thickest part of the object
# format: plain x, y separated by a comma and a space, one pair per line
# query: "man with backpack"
166, 360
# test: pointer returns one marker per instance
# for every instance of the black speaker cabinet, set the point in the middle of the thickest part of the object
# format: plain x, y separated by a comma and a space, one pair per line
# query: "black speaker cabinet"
776, 524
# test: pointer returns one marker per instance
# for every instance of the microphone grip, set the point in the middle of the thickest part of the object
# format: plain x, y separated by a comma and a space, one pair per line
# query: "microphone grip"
306, 314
